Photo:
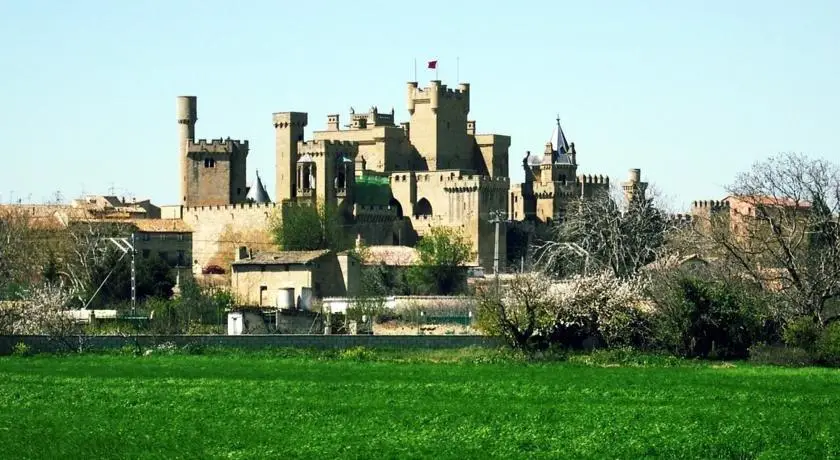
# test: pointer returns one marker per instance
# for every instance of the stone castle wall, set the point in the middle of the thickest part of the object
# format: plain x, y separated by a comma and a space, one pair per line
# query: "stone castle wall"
219, 230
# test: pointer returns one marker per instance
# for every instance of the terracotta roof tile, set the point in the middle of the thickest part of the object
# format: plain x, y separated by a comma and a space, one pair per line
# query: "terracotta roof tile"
282, 257
398, 256
161, 225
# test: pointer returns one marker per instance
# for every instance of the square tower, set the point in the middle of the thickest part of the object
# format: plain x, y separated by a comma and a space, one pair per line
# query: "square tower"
288, 131
212, 171
439, 125
216, 172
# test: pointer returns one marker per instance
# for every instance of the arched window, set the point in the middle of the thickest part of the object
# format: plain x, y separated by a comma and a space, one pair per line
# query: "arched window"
423, 208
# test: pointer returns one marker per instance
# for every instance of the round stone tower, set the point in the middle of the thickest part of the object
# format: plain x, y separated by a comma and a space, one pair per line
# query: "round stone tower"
187, 115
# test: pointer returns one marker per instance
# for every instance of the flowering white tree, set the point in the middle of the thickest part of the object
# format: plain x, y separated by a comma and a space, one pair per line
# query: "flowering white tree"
535, 312
43, 311
601, 305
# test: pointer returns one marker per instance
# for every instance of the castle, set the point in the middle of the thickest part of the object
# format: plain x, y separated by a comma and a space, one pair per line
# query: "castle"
552, 181
390, 182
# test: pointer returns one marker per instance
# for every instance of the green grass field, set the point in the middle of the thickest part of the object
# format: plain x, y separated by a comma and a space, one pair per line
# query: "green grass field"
264, 405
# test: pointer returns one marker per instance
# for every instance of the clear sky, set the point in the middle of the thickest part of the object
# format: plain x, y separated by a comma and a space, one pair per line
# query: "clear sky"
690, 92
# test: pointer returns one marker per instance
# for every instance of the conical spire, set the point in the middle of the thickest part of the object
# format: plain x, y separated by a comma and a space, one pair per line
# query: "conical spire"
558, 139
257, 193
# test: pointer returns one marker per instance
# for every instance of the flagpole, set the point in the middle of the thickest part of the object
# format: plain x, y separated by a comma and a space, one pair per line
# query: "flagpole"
457, 70
415, 69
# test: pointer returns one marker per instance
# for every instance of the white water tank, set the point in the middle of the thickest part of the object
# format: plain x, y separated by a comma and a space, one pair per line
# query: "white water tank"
285, 298
305, 298
235, 323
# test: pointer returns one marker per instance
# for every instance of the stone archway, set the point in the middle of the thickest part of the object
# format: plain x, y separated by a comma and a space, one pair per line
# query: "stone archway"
423, 208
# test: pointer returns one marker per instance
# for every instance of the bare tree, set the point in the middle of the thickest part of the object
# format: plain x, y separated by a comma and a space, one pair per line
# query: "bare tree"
16, 247
84, 248
782, 230
602, 232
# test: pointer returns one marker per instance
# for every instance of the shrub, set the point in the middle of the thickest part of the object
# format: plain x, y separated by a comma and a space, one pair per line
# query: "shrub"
193, 349
623, 356
20, 349
828, 345
779, 356
706, 316
802, 332
358, 354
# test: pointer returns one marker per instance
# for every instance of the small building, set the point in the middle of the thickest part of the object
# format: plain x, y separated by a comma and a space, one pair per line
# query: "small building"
171, 239
263, 279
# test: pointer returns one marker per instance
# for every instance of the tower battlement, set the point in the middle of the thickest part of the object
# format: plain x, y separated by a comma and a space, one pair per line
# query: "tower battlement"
325, 146
290, 119
710, 205
593, 179
367, 120
680, 218
217, 145
436, 93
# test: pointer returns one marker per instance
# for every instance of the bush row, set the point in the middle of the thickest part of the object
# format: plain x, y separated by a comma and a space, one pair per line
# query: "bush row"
681, 313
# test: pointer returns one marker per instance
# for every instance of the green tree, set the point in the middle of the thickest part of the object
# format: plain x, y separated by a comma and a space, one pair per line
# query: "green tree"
298, 227
443, 253
154, 279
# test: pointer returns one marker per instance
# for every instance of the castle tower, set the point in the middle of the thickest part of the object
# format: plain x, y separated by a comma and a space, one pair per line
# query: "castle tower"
634, 185
212, 171
288, 131
439, 125
187, 114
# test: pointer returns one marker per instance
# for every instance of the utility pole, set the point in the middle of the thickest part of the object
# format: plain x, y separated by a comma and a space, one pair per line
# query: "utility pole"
497, 217
126, 246
133, 279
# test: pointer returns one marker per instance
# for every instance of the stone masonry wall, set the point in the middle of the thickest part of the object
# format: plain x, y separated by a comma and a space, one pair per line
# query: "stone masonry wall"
219, 230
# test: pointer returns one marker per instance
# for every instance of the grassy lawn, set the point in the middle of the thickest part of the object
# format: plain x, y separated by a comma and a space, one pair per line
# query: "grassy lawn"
263, 405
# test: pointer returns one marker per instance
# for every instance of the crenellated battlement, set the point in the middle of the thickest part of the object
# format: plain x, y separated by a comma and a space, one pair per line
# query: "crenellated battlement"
283, 120
593, 179
229, 208
482, 182
710, 205
451, 179
435, 86
374, 211
437, 92
371, 119
220, 145
680, 218
325, 147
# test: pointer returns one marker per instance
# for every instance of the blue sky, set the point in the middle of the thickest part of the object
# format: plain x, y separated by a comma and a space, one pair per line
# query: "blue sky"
690, 92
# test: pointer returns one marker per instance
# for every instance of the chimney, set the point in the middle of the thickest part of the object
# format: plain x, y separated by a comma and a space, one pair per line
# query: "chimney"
333, 122
471, 128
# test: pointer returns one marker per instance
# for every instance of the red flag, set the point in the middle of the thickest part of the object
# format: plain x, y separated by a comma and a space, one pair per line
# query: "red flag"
433, 64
